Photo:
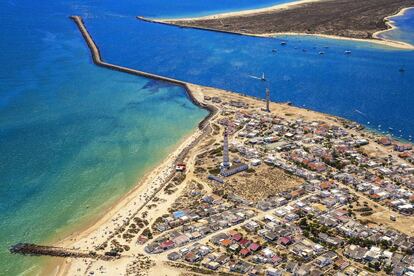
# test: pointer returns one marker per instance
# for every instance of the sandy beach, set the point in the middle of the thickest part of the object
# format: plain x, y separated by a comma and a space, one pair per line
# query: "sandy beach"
228, 23
154, 196
400, 45
391, 26
123, 210
148, 200
245, 12
135, 203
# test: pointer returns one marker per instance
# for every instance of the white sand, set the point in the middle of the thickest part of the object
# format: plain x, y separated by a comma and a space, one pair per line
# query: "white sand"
245, 12
377, 38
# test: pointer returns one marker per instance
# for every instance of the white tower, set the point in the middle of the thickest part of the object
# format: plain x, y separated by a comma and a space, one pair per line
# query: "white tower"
226, 159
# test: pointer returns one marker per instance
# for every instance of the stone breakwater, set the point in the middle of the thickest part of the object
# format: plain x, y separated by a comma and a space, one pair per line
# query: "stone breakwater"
44, 250
97, 59
156, 180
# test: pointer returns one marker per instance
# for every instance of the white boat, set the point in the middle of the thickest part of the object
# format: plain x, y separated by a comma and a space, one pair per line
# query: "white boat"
262, 78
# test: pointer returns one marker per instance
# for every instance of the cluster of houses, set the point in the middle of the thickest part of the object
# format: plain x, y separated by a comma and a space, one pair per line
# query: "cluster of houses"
189, 226
272, 240
238, 250
399, 264
310, 229
315, 150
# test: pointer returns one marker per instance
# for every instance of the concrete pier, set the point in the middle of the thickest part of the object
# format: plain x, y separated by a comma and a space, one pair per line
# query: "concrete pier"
97, 59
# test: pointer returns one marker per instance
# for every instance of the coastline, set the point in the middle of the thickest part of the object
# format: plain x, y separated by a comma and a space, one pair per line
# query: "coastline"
376, 39
152, 181
97, 59
244, 12
379, 41
76, 58
155, 179
122, 209
391, 24
157, 176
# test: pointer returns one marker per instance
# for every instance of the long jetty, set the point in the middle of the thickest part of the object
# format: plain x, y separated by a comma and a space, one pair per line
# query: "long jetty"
44, 250
97, 59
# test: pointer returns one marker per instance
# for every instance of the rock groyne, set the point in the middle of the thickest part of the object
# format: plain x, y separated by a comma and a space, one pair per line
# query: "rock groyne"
97, 59
43, 250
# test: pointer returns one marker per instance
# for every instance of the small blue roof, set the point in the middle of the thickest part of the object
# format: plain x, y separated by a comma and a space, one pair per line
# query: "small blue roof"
179, 214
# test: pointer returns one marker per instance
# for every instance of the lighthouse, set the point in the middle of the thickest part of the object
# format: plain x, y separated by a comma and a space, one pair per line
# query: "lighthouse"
267, 100
226, 159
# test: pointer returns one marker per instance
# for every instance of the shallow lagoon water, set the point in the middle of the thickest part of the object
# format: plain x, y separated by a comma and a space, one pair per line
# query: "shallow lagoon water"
405, 30
74, 137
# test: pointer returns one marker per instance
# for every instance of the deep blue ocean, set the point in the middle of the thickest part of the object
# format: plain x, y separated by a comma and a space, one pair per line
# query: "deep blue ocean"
74, 137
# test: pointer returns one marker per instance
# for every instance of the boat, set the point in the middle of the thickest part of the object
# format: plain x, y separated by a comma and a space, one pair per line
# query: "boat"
274, 50
283, 43
347, 52
321, 52
262, 78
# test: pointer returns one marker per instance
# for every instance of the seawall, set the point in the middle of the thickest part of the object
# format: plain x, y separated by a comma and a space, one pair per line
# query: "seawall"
97, 59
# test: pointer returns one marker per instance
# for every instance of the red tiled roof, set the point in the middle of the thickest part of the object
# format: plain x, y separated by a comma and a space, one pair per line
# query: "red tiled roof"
226, 242
254, 246
237, 237
374, 196
167, 244
244, 252
284, 240
243, 242
276, 259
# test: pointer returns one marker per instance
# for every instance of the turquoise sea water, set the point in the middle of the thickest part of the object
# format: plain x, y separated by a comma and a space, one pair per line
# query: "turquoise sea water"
75, 137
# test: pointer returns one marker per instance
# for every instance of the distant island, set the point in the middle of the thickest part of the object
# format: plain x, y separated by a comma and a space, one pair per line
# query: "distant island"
339, 18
